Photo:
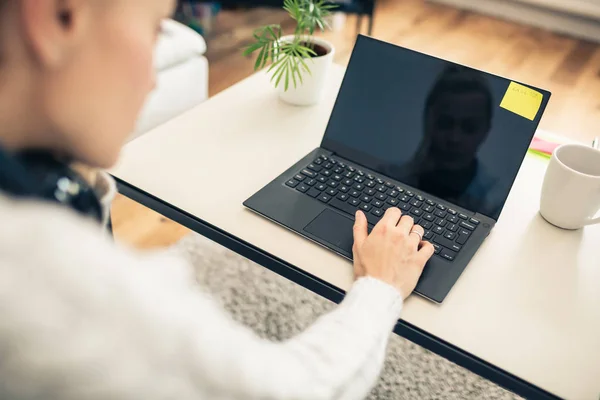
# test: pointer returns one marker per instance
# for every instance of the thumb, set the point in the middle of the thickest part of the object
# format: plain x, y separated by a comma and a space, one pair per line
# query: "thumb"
360, 228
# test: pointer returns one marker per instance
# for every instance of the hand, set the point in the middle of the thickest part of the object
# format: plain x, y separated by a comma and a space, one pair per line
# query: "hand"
391, 252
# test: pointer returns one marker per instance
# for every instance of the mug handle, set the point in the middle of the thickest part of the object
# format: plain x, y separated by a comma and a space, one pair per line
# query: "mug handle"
593, 221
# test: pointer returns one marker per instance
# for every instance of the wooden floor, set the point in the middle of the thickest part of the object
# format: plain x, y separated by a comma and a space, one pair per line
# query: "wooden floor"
567, 67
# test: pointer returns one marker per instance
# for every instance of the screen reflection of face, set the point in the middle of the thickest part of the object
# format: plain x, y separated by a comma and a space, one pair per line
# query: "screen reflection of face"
457, 124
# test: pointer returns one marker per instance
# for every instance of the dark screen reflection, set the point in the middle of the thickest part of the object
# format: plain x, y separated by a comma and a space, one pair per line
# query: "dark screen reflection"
430, 123
456, 122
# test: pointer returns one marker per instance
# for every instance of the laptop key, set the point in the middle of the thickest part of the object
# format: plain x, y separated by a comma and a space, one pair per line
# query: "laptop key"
426, 224
302, 188
441, 207
462, 216
365, 207
292, 183
438, 230
381, 188
354, 202
474, 221
344, 188
381, 196
464, 224
392, 201
428, 235
416, 211
343, 196
451, 211
314, 167
389, 184
348, 174
416, 203
359, 179
337, 177
370, 192
333, 184
449, 244
430, 202
309, 173
354, 193
328, 165
310, 182
338, 170
450, 235
452, 227
378, 212
429, 217
428, 208
370, 183
447, 254
463, 235
348, 182
321, 186
440, 222
378, 203
437, 248
327, 173
453, 219
359, 186
366, 199
404, 198
299, 177
313, 192
409, 193
440, 213
404, 206
341, 205
318, 161
331, 192
420, 198
400, 189
322, 179
393, 193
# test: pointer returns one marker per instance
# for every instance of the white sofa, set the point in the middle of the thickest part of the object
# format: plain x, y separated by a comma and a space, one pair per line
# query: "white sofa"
182, 76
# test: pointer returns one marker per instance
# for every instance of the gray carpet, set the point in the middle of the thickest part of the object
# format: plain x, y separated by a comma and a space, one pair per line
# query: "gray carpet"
277, 309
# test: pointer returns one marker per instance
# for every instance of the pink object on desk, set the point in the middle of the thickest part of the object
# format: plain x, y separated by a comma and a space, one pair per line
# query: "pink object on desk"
543, 146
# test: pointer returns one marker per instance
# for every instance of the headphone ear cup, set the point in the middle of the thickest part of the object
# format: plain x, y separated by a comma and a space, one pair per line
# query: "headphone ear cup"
37, 175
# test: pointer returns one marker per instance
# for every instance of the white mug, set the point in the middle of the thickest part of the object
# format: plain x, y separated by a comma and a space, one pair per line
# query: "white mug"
571, 189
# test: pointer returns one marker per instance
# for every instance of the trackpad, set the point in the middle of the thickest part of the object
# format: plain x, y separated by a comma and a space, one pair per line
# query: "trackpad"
333, 228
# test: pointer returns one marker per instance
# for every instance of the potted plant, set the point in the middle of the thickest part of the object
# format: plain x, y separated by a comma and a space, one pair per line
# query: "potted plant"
299, 62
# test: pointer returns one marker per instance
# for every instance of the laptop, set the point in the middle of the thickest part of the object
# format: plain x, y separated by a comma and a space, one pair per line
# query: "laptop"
441, 141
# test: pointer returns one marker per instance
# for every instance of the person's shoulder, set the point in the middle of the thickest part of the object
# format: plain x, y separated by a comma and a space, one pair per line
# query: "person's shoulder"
51, 240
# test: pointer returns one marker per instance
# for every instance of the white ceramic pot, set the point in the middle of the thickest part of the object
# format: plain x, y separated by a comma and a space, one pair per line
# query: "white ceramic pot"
311, 89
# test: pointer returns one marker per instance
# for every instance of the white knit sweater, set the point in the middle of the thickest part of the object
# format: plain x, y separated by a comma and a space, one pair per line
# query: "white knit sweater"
84, 319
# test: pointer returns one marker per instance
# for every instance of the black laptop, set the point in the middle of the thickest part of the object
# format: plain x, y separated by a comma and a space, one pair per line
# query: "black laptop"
441, 141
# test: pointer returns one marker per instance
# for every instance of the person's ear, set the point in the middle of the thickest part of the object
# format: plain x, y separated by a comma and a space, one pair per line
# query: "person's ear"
53, 28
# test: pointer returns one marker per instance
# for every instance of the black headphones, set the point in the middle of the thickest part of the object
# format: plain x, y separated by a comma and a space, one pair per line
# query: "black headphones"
39, 175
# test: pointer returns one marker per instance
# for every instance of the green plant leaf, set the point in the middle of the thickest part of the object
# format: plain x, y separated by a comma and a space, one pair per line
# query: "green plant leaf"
251, 48
259, 60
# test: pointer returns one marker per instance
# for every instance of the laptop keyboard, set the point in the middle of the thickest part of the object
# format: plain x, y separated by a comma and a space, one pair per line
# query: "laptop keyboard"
348, 189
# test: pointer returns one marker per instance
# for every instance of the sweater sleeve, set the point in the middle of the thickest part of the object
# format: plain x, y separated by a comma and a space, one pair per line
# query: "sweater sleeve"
83, 319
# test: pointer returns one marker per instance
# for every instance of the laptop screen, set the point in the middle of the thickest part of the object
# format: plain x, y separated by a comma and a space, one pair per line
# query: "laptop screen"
434, 125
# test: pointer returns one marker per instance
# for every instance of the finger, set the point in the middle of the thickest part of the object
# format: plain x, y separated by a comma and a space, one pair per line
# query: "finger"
416, 235
406, 223
360, 228
390, 218
425, 252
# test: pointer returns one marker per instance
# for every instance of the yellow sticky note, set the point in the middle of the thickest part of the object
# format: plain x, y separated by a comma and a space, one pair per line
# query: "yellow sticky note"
522, 100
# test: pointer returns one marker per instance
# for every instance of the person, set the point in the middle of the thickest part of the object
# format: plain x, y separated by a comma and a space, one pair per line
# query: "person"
85, 318
457, 120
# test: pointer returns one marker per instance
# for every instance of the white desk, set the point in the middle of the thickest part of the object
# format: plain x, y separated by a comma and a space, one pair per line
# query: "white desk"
528, 303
